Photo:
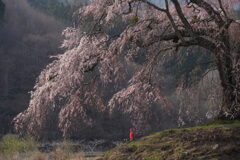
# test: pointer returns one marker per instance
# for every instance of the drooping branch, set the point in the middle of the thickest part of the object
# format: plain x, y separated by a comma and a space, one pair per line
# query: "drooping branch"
216, 16
188, 29
173, 22
182, 17
222, 8
146, 2
172, 36
129, 8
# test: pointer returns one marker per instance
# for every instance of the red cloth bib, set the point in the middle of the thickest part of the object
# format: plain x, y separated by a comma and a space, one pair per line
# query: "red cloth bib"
131, 136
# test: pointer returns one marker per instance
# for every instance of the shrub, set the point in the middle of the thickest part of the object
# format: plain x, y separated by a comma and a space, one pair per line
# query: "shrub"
63, 151
13, 144
58, 154
66, 146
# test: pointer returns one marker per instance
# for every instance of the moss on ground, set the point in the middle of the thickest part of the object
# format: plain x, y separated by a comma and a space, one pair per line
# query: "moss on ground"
217, 140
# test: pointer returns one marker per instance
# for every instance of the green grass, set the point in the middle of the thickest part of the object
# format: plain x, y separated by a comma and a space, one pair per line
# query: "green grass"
221, 122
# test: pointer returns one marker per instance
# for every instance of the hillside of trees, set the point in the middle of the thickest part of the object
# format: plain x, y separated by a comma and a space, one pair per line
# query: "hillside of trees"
62, 10
27, 39
2, 10
30, 32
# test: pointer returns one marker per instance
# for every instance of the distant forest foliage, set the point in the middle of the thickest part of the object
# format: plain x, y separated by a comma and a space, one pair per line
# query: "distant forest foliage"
55, 8
27, 38
2, 10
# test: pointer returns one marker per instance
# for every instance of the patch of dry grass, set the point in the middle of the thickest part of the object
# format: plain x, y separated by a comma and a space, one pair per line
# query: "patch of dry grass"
13, 147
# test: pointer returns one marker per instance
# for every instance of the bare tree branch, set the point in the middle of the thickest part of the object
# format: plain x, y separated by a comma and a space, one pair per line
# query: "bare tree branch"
210, 10
222, 8
182, 17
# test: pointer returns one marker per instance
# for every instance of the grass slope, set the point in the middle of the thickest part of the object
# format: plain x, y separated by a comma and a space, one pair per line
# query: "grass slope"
216, 141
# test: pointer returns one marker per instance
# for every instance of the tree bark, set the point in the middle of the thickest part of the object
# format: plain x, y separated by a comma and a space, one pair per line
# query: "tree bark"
229, 75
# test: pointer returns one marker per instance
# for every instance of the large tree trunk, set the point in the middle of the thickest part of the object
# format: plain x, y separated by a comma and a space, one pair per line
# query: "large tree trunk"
230, 108
229, 70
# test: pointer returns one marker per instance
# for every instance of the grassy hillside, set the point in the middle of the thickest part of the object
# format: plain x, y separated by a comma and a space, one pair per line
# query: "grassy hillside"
215, 141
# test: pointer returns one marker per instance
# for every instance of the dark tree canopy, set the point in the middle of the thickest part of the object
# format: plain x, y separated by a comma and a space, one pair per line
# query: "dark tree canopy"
27, 38
2, 10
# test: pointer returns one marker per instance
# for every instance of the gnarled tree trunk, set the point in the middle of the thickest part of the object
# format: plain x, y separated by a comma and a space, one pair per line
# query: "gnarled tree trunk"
228, 64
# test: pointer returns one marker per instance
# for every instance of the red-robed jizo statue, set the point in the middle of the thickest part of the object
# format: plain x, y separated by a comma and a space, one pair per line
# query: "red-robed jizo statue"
131, 134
